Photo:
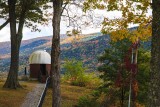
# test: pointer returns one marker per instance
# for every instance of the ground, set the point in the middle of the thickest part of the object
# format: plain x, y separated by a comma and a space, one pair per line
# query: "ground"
17, 98
69, 95
33, 97
14, 98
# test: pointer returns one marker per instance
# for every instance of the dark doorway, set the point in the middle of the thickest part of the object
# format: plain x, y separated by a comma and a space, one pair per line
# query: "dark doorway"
43, 69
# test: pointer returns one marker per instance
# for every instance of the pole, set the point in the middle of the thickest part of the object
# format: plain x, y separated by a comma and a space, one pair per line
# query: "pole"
130, 88
25, 71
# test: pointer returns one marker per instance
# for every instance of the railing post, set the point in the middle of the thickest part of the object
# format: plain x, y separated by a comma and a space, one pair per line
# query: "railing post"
41, 100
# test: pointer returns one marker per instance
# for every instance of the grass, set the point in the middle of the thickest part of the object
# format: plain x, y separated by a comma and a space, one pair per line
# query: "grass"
14, 98
69, 95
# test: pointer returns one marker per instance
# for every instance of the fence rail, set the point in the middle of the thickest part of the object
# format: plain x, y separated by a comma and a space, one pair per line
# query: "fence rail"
41, 100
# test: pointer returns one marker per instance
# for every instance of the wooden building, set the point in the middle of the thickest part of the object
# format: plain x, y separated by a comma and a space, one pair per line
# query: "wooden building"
40, 64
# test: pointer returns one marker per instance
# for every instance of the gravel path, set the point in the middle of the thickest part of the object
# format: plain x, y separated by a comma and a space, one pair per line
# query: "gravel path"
32, 97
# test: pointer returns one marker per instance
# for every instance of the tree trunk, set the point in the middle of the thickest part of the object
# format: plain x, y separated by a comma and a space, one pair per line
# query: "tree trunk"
134, 91
154, 94
12, 79
122, 97
55, 53
21, 24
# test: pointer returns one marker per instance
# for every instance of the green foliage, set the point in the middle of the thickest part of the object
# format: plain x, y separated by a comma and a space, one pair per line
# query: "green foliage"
111, 63
82, 81
143, 75
32, 11
75, 75
73, 69
86, 101
74, 72
89, 80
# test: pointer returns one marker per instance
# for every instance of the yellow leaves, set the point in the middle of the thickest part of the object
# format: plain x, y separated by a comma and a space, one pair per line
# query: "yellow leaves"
119, 35
133, 12
112, 5
131, 16
145, 32
118, 29
140, 33
94, 4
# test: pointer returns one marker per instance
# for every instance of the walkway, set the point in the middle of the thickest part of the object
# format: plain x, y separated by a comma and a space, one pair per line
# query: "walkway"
32, 97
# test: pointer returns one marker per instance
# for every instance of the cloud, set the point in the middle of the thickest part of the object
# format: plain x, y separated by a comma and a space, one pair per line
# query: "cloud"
48, 31
5, 34
45, 31
28, 34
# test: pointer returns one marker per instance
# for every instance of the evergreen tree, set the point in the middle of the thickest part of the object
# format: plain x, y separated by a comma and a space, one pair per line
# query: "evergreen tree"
116, 76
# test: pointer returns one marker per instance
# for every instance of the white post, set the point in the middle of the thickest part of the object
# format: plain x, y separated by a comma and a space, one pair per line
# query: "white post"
130, 88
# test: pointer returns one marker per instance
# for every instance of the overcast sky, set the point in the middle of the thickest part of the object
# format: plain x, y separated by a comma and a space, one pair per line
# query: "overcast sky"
47, 30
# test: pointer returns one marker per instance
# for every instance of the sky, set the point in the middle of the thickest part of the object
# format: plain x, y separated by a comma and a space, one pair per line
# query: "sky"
47, 29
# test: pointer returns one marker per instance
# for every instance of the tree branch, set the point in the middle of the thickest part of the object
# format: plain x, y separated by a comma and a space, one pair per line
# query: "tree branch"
4, 24
65, 4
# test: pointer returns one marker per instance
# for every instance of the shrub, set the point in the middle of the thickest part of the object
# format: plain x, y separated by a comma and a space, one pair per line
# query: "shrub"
87, 101
82, 81
92, 80
75, 75
74, 72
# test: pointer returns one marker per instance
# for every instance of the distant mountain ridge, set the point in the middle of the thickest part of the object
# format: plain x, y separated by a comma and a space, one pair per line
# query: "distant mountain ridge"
86, 49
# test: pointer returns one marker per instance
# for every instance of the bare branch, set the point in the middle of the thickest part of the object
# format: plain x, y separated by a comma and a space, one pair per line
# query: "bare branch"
4, 24
65, 4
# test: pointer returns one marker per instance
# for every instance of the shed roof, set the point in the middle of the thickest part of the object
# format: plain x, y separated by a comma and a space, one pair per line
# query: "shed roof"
40, 57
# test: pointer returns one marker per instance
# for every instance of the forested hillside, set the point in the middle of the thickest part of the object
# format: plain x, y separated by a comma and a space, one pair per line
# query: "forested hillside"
86, 49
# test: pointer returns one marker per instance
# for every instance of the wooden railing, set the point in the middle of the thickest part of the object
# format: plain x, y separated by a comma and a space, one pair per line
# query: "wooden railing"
44, 92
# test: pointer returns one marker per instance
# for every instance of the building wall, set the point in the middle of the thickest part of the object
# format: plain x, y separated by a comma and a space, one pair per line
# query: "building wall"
48, 68
35, 68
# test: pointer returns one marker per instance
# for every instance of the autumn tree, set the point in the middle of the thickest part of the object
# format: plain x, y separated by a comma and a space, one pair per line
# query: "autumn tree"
132, 13
114, 73
135, 12
75, 34
115, 77
24, 12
